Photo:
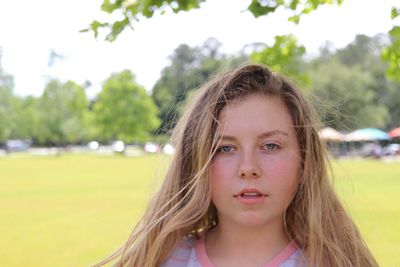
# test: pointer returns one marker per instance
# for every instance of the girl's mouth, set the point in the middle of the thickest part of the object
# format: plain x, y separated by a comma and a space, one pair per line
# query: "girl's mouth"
250, 197
250, 193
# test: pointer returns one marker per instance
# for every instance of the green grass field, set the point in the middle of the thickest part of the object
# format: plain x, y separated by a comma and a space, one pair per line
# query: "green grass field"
74, 210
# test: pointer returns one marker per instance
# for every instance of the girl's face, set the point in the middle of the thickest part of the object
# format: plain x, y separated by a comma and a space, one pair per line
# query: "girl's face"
255, 172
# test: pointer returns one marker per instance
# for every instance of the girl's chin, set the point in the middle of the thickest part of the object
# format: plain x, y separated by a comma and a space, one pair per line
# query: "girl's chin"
252, 219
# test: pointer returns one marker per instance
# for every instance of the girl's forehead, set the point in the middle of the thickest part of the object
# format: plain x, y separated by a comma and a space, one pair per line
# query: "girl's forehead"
255, 113
247, 105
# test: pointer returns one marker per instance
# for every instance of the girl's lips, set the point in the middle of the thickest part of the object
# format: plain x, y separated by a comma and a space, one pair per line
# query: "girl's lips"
251, 200
250, 196
250, 193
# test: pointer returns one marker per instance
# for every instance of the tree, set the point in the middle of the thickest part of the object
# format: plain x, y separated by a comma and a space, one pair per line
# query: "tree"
124, 111
172, 86
6, 112
364, 54
344, 97
284, 56
363, 51
189, 68
392, 52
133, 11
6, 104
392, 104
26, 121
62, 112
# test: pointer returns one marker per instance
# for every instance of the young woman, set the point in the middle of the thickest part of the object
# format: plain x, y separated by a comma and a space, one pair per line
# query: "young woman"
248, 185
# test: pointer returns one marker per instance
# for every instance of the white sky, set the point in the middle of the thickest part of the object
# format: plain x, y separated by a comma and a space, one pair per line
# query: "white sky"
29, 29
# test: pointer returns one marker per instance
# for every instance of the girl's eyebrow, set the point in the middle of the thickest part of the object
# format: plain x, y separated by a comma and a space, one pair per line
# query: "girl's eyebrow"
261, 136
272, 133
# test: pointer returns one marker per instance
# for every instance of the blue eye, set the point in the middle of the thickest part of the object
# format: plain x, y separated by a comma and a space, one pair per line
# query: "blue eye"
224, 149
271, 146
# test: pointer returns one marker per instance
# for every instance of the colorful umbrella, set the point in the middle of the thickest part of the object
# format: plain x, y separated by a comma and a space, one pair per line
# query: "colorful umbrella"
367, 134
330, 134
395, 132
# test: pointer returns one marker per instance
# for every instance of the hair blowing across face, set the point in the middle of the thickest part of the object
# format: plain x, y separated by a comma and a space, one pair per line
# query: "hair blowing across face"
315, 219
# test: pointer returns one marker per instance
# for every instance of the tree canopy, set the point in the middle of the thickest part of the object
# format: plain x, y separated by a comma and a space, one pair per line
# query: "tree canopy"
284, 56
352, 86
62, 109
6, 103
345, 97
190, 67
123, 110
133, 11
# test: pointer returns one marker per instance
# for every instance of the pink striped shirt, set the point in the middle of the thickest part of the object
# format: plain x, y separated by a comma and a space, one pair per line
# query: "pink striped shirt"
191, 252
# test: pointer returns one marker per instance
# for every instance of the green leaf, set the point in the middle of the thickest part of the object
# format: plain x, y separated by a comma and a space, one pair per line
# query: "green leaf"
307, 10
109, 7
293, 5
314, 3
259, 10
133, 9
395, 32
394, 13
94, 26
295, 19
116, 29
188, 5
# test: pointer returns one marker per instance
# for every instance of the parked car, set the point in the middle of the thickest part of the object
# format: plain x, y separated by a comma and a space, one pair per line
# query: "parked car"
93, 145
17, 145
168, 149
151, 147
118, 146
392, 149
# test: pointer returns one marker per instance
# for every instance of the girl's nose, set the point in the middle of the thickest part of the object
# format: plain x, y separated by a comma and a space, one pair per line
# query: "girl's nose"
249, 166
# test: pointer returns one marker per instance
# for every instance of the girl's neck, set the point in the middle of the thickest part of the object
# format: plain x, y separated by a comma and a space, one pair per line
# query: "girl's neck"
241, 244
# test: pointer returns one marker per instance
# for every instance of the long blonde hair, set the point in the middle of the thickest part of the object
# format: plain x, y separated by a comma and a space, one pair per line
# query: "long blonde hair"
315, 219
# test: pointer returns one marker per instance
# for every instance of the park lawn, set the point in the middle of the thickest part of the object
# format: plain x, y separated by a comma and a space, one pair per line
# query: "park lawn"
370, 190
73, 210
70, 210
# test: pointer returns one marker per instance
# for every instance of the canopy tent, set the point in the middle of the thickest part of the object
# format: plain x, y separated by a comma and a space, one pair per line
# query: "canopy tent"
367, 134
395, 132
330, 134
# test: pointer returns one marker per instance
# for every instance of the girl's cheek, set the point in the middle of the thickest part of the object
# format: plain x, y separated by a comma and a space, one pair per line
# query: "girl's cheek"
282, 167
222, 168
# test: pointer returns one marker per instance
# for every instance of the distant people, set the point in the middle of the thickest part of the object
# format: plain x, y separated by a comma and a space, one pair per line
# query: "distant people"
377, 152
247, 186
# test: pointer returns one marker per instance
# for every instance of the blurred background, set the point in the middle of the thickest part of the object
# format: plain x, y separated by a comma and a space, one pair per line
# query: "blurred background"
90, 92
